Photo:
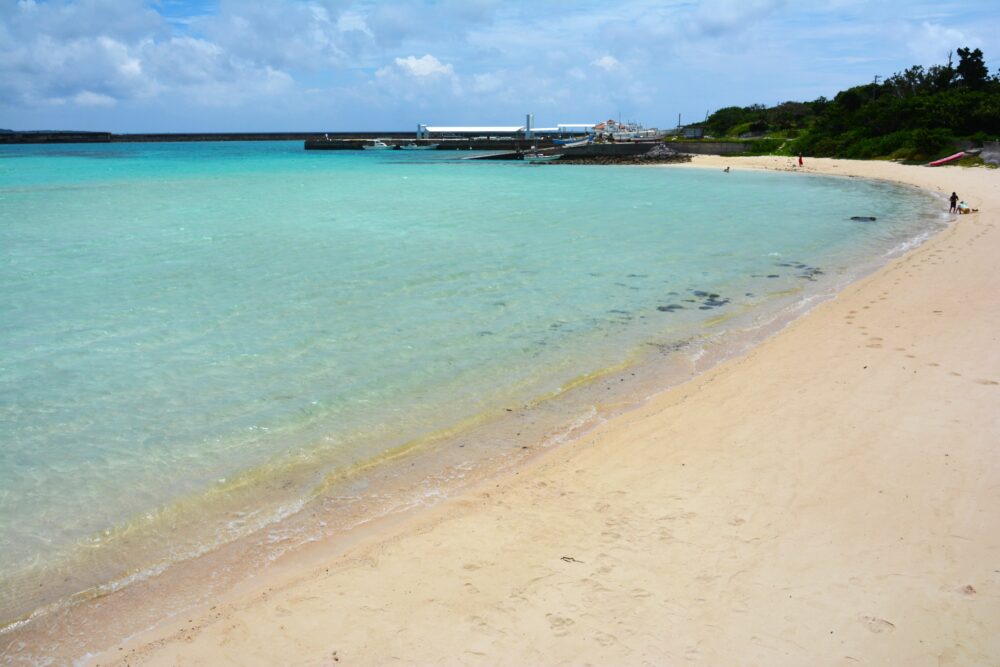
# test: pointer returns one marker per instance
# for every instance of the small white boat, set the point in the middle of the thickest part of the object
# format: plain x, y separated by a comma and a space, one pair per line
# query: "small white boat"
416, 147
540, 157
577, 143
378, 145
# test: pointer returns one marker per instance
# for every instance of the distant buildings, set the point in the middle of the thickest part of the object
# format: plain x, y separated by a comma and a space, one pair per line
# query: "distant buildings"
609, 130
526, 131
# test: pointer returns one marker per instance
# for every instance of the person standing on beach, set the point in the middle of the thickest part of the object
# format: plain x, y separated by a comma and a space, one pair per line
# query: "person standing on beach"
800, 159
954, 203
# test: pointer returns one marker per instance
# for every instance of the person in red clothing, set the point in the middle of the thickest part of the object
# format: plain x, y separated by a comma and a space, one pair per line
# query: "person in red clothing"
800, 159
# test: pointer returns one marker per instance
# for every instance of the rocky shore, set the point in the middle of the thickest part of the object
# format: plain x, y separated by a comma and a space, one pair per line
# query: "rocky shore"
658, 154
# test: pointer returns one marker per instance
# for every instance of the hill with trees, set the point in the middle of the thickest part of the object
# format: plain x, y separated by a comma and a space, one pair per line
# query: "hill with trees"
916, 114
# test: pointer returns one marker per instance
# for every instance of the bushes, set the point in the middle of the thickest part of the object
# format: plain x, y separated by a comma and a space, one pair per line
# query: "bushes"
914, 115
765, 146
928, 143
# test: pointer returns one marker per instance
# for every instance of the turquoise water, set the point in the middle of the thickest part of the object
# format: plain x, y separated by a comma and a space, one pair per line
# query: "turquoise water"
179, 323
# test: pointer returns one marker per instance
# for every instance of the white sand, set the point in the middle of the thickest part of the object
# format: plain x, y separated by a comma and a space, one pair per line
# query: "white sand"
832, 497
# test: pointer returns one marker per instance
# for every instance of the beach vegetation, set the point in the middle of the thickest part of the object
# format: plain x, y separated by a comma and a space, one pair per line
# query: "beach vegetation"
917, 114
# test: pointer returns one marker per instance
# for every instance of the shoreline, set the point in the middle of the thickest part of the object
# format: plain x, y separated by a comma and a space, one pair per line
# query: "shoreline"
475, 506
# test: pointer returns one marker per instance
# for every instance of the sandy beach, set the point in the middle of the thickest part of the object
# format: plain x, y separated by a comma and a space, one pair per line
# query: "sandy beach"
831, 497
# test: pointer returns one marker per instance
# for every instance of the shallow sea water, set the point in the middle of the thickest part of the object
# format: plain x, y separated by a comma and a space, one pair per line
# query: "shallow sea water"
196, 338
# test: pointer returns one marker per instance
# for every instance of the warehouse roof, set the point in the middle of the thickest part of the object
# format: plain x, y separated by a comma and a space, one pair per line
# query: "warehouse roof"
486, 129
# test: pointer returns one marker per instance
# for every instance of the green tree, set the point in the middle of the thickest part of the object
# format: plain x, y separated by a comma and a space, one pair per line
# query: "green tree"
972, 68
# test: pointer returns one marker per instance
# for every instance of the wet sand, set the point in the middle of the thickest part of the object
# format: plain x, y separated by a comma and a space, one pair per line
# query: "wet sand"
831, 497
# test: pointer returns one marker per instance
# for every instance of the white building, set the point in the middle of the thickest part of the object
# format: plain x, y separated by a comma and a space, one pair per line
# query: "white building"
527, 131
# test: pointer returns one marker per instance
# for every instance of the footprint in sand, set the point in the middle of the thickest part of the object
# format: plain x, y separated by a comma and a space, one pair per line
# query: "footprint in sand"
559, 624
984, 381
876, 624
604, 639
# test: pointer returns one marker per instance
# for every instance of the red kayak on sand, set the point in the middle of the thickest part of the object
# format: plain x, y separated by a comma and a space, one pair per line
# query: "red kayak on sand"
946, 160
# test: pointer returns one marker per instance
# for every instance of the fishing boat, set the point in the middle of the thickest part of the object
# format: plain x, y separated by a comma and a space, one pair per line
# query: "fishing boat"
416, 147
540, 157
378, 145
573, 143
617, 131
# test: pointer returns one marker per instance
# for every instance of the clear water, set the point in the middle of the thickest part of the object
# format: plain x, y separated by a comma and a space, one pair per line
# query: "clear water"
182, 323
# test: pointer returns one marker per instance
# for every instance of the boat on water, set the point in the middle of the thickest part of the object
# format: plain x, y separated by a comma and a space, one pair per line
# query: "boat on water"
617, 131
378, 145
415, 147
540, 157
573, 143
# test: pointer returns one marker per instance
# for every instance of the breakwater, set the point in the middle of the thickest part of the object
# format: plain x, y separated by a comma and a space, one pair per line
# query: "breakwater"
73, 137
642, 152
709, 147
344, 140
355, 143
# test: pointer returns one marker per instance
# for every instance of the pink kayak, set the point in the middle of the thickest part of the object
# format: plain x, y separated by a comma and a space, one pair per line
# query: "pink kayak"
946, 160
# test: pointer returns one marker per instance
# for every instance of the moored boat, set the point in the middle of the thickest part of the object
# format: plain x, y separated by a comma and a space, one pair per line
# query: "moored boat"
416, 147
378, 145
541, 157
573, 143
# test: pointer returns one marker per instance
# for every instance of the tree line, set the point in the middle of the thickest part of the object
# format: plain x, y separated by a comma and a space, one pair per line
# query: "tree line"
912, 115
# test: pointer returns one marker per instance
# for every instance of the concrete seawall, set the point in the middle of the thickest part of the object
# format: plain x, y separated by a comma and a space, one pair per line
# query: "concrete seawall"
357, 143
608, 149
353, 141
708, 147
59, 137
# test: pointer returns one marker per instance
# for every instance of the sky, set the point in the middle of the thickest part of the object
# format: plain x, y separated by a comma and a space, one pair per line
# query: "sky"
340, 65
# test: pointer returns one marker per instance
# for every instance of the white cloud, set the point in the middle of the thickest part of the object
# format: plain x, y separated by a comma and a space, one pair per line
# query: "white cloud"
930, 43
607, 63
716, 18
353, 22
88, 98
282, 34
416, 82
354, 62
486, 83
101, 53
427, 65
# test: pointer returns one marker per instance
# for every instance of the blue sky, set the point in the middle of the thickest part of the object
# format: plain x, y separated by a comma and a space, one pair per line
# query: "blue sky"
304, 65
